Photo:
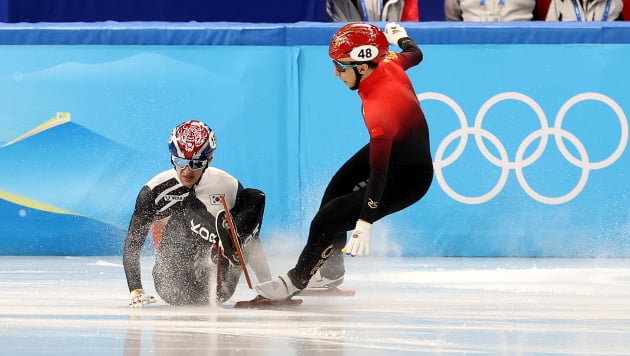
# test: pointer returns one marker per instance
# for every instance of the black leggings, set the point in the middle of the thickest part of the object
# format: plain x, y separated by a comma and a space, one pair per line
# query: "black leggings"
341, 206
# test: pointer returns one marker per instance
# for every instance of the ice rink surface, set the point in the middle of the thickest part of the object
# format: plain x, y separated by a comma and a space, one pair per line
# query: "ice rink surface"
403, 306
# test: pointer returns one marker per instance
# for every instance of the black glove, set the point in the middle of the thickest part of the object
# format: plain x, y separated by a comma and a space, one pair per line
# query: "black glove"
229, 250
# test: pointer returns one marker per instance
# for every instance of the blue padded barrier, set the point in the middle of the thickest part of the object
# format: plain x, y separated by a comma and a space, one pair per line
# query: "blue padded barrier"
304, 33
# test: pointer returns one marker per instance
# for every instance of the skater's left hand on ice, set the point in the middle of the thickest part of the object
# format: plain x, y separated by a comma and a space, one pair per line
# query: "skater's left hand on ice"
359, 240
138, 298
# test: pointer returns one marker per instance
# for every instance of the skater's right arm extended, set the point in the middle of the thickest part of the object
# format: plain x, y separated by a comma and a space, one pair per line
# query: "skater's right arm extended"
136, 235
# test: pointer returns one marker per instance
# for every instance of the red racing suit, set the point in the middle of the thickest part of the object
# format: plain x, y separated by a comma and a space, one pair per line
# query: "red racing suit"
393, 171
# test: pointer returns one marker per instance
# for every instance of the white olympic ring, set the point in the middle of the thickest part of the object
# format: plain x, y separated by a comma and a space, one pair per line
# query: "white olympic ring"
521, 162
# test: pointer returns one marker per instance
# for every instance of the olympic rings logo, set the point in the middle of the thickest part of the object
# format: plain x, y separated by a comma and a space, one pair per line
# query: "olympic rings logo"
520, 162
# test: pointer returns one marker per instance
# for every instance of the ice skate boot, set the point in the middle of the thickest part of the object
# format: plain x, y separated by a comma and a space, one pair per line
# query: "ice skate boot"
319, 281
278, 288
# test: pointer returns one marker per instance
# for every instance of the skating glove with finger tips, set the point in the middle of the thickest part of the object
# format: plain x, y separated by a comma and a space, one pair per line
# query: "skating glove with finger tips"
394, 32
359, 242
139, 299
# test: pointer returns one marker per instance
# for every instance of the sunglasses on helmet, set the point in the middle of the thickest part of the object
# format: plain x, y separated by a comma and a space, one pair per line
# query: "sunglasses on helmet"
341, 67
193, 164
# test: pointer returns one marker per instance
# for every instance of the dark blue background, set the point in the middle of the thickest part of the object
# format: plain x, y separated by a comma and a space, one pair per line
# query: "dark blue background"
276, 11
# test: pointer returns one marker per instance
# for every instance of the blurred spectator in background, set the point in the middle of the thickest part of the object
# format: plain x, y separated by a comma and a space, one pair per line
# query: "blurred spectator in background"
542, 6
489, 10
372, 10
585, 10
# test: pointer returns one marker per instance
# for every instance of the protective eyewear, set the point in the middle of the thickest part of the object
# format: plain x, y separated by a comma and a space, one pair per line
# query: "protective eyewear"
341, 67
193, 164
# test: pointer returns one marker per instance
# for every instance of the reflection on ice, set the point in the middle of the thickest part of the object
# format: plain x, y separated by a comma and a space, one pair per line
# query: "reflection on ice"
403, 306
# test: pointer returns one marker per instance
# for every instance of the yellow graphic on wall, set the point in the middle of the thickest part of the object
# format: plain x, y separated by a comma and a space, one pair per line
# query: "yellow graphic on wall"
59, 119
28, 203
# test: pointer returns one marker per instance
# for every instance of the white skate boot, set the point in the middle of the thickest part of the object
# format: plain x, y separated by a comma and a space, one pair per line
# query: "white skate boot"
277, 288
319, 281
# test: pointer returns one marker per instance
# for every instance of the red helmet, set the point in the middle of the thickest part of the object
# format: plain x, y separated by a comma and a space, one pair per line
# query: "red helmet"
359, 41
192, 140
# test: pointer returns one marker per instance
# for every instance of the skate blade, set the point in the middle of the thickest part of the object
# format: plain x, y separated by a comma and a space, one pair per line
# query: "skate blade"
261, 302
327, 292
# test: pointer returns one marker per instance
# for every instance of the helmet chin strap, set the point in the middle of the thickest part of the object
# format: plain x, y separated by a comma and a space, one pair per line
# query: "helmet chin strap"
358, 80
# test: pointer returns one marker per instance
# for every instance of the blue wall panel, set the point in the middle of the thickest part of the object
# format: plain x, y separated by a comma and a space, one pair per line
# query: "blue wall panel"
529, 139
549, 203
